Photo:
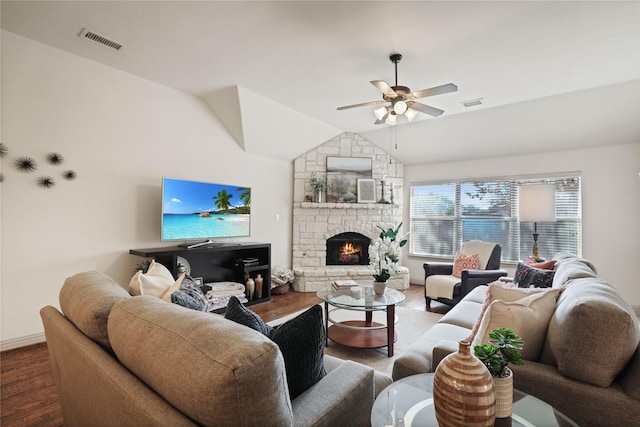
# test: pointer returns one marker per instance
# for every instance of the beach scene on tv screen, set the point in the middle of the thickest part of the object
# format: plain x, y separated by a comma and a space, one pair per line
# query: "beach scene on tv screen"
195, 210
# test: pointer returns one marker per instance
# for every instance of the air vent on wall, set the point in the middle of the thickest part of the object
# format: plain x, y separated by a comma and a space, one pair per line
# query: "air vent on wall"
473, 102
99, 39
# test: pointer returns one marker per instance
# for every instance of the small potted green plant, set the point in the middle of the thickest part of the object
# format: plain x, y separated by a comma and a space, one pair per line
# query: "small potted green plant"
319, 185
504, 349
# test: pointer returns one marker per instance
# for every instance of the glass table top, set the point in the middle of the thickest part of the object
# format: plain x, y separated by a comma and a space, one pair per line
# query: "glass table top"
409, 402
390, 297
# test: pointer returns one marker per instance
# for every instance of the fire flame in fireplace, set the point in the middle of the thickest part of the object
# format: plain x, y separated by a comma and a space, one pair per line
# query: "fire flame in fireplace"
349, 252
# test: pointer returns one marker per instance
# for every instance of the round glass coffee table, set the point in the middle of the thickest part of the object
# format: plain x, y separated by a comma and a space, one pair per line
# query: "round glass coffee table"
362, 333
408, 402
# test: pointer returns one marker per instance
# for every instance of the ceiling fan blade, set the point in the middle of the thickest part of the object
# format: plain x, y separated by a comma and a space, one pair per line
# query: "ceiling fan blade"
384, 88
438, 90
364, 104
432, 111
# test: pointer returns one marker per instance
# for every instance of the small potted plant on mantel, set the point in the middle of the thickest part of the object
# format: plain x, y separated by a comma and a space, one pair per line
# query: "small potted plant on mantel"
319, 185
504, 349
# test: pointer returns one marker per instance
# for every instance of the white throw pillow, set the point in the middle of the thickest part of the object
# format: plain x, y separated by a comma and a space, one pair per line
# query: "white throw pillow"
527, 312
155, 282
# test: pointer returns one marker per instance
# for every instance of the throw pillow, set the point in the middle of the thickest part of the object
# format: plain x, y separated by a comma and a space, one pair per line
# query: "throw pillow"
531, 277
546, 265
240, 314
485, 305
188, 300
465, 262
301, 341
155, 282
526, 312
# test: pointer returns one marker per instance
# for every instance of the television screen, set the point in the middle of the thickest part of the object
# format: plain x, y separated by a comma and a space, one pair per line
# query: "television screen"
200, 210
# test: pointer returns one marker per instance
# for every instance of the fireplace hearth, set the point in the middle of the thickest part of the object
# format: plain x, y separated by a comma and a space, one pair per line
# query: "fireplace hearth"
348, 248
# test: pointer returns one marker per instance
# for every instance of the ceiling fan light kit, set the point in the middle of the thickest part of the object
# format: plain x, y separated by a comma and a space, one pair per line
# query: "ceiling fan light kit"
401, 99
380, 112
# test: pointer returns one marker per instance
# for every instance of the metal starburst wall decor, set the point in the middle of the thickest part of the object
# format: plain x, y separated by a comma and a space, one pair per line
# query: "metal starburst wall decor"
25, 164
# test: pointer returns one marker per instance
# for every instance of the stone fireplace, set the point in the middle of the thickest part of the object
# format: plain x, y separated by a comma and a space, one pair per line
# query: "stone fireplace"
348, 249
316, 224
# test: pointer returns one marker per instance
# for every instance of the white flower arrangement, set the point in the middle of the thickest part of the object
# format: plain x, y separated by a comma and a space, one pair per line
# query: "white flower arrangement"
384, 255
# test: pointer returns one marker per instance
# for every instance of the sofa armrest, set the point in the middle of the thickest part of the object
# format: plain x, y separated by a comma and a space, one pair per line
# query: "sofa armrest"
471, 279
344, 395
442, 350
431, 268
586, 404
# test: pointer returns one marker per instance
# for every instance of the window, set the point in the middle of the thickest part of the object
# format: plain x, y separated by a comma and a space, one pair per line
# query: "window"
444, 215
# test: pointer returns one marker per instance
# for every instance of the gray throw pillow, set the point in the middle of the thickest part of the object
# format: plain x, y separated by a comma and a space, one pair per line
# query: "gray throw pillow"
237, 312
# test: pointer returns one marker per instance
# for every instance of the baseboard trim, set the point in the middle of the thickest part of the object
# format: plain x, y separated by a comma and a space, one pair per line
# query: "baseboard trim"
22, 341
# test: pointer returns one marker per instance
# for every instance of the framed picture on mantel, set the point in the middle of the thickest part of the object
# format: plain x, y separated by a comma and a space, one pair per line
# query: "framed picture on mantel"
342, 176
366, 190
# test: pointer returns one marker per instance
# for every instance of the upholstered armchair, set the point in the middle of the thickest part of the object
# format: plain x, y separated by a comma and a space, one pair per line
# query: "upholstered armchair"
448, 282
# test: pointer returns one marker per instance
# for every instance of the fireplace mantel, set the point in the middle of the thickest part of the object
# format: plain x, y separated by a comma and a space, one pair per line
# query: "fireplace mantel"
314, 205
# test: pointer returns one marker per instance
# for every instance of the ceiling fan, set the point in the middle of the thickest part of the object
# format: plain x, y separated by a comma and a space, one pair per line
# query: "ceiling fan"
402, 100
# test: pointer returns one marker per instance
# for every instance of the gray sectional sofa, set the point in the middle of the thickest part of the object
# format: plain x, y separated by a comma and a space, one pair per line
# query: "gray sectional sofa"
121, 360
589, 367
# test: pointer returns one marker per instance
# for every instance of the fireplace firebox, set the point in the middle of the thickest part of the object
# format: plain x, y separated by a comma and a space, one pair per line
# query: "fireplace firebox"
348, 249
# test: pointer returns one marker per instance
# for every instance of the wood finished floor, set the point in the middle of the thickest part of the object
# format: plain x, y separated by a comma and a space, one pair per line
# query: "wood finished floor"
28, 393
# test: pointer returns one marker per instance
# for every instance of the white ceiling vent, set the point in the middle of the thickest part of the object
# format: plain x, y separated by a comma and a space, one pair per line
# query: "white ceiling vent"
99, 39
473, 102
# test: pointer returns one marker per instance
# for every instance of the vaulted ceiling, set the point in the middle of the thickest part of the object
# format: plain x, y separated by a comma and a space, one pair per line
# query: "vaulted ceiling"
552, 75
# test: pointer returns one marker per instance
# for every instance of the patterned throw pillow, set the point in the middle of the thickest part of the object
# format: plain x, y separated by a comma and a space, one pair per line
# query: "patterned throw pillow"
301, 341
545, 265
465, 262
531, 277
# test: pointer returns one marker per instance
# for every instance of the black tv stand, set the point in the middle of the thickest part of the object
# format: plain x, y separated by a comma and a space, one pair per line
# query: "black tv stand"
218, 262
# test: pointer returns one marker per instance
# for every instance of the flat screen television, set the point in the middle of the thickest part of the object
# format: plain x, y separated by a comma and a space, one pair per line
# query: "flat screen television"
193, 210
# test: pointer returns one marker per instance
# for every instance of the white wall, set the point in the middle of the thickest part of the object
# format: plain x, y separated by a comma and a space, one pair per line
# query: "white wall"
610, 203
121, 134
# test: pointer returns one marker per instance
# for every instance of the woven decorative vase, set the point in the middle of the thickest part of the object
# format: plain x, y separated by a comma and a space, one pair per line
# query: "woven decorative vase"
504, 395
463, 390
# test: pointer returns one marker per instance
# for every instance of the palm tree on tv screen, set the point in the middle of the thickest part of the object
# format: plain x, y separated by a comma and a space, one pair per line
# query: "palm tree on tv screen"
221, 200
245, 196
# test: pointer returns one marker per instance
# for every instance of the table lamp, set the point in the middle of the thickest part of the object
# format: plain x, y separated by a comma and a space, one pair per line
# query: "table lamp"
537, 203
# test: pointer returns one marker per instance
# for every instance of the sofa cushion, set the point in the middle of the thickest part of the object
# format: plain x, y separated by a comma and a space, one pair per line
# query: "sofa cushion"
571, 267
211, 369
527, 312
301, 341
418, 357
464, 315
86, 300
593, 333
527, 276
